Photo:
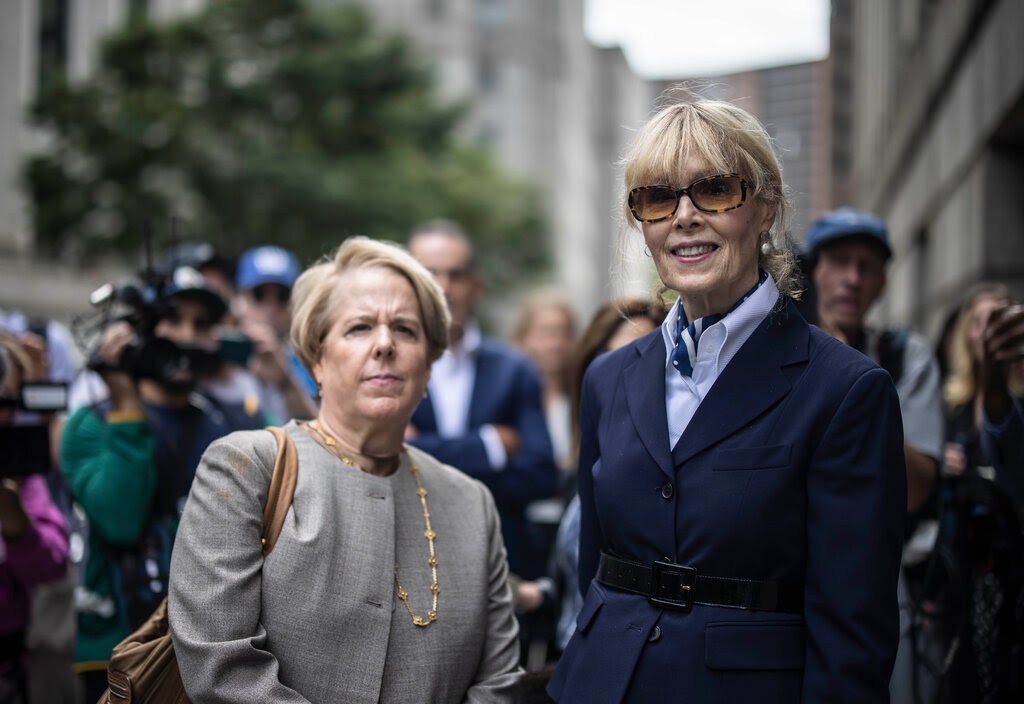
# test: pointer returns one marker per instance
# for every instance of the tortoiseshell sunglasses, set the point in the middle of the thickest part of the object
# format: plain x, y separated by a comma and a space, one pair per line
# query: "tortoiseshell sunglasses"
712, 194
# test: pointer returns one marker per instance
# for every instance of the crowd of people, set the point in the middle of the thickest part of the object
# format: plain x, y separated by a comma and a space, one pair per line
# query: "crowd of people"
717, 490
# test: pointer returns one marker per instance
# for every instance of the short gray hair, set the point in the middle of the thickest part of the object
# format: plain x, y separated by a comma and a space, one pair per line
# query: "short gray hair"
312, 312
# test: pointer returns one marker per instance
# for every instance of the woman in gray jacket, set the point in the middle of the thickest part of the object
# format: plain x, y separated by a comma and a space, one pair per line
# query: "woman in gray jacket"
388, 581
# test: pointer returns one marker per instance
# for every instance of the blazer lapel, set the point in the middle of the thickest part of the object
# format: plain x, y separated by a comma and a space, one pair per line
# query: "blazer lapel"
482, 395
423, 417
751, 384
644, 382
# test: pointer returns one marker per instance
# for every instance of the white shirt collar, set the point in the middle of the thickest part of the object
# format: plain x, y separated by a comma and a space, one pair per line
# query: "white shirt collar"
718, 344
469, 344
451, 383
738, 325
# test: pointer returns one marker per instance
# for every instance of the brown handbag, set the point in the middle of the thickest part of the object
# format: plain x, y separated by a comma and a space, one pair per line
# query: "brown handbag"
143, 668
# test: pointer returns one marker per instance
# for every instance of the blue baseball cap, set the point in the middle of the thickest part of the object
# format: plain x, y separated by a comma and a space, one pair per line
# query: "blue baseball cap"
847, 222
266, 265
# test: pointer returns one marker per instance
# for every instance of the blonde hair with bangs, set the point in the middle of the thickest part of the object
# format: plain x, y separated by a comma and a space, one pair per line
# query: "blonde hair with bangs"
729, 140
315, 309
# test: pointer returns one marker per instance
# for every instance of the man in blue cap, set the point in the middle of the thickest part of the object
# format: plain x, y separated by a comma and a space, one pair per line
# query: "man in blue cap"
264, 281
848, 251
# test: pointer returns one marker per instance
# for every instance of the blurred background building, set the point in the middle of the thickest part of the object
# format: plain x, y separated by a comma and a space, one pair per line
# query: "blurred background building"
38, 37
554, 107
929, 133
551, 105
917, 114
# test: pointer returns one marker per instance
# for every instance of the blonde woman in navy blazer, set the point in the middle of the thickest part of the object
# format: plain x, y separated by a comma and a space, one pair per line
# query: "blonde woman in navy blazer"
742, 485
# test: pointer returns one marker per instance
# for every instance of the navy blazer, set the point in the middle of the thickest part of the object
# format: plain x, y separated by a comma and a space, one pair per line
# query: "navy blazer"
506, 391
791, 470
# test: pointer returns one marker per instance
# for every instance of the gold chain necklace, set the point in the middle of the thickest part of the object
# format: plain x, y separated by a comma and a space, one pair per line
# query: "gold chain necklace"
331, 444
429, 534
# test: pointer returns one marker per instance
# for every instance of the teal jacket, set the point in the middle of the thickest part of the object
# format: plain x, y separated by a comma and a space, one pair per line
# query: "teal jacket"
109, 468
113, 473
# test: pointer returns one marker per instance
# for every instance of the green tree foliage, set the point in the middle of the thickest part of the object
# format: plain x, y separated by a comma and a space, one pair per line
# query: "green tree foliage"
278, 121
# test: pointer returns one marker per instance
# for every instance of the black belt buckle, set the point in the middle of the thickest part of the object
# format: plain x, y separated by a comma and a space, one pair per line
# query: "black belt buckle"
672, 586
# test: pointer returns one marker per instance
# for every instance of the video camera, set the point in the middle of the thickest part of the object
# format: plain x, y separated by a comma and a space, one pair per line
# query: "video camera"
45, 397
25, 447
143, 301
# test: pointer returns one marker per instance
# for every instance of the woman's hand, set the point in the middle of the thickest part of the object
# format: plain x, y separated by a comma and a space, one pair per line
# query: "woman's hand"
35, 346
1004, 335
1003, 344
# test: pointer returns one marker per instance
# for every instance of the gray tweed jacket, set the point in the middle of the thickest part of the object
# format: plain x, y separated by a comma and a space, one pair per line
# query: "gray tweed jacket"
320, 619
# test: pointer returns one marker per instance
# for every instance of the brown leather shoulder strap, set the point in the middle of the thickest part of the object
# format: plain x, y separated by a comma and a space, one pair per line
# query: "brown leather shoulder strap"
282, 487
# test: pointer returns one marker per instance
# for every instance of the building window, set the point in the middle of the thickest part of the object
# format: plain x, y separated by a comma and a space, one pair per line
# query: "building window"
53, 40
490, 14
487, 74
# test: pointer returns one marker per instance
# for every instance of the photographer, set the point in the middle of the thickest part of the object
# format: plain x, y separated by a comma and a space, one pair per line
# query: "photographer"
264, 281
969, 589
1002, 427
130, 459
34, 544
50, 640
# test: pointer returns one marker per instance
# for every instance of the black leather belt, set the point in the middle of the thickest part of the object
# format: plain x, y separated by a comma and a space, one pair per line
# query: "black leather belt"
671, 586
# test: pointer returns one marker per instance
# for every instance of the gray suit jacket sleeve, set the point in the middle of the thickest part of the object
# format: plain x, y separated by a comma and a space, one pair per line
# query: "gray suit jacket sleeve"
216, 569
498, 674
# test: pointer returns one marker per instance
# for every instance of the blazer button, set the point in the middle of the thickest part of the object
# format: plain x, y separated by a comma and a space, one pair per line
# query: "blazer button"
655, 635
667, 491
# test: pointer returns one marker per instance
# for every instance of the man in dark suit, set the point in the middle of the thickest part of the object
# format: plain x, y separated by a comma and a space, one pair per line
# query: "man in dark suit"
483, 412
